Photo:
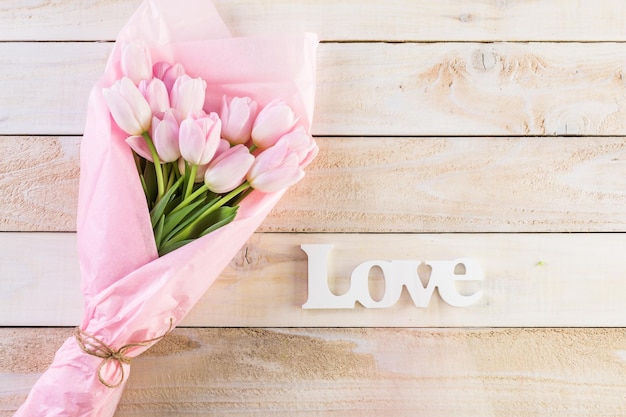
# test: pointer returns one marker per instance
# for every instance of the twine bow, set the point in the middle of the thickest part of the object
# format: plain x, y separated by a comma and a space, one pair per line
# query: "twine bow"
96, 347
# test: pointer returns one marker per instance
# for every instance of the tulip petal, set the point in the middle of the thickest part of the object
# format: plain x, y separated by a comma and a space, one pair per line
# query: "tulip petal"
269, 159
155, 93
188, 94
237, 118
121, 112
139, 145
165, 140
136, 62
272, 122
277, 179
168, 73
191, 141
228, 171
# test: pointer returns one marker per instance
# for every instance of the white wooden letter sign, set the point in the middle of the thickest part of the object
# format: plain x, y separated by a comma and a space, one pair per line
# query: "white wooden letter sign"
397, 273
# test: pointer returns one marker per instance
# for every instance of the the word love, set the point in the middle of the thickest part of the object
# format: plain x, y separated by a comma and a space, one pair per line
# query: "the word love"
397, 274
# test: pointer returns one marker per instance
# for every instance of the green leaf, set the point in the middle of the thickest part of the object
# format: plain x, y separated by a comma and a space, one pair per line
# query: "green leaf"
173, 246
220, 217
190, 218
159, 209
158, 231
149, 178
179, 217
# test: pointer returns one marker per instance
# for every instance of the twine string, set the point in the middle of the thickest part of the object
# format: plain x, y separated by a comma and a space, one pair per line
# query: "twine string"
93, 346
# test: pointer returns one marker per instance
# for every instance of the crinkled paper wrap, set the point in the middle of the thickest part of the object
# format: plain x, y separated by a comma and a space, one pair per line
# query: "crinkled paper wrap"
130, 294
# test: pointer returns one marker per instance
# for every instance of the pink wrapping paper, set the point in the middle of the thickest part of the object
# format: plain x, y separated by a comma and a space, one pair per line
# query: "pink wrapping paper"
130, 294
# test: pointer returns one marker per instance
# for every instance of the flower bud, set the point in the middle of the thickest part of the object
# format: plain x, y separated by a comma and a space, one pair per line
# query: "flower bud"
237, 118
165, 136
199, 138
187, 95
272, 122
156, 94
128, 107
136, 62
302, 144
168, 73
229, 169
274, 169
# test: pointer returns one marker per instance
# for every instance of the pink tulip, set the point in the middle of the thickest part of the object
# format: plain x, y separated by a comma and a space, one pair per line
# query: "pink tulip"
165, 136
129, 108
156, 94
168, 73
199, 138
136, 62
139, 145
187, 95
237, 118
272, 122
228, 170
302, 144
274, 169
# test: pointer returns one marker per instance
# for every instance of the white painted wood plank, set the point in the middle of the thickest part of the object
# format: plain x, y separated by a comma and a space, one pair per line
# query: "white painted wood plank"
45, 86
380, 185
530, 280
372, 89
352, 372
400, 20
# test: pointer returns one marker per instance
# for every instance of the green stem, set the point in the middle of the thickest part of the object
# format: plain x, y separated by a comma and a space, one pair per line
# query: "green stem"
182, 235
202, 189
191, 180
157, 166
171, 180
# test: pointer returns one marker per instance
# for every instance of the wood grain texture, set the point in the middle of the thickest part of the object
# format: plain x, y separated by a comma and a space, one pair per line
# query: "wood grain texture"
374, 89
39, 183
46, 89
353, 372
372, 20
391, 182
530, 280
447, 185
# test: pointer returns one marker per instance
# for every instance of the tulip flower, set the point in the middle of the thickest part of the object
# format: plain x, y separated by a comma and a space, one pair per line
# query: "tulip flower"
155, 93
237, 117
129, 108
199, 138
165, 136
168, 73
136, 61
228, 170
187, 95
275, 168
302, 144
272, 122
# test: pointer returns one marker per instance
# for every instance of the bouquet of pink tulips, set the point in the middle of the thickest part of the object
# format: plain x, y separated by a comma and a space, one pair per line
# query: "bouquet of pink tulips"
191, 138
195, 166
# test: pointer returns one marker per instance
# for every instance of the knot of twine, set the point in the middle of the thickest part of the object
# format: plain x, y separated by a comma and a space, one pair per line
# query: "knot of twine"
96, 347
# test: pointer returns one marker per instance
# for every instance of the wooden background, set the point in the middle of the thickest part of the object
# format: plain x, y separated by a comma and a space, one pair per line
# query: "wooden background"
491, 129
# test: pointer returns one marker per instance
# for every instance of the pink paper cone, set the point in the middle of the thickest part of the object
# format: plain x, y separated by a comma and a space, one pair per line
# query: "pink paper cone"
130, 294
